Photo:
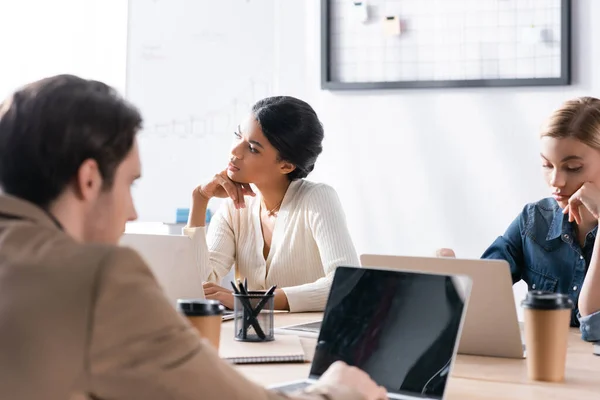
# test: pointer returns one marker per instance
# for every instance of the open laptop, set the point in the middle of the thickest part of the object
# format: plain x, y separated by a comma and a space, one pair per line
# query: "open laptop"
172, 259
307, 329
491, 326
402, 328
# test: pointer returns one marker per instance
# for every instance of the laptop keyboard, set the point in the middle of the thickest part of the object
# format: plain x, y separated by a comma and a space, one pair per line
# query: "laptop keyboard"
227, 315
293, 387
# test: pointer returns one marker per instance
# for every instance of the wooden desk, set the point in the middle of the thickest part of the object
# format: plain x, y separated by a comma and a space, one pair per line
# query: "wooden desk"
472, 378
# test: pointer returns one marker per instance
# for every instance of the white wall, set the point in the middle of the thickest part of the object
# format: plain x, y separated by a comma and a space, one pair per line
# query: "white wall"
41, 38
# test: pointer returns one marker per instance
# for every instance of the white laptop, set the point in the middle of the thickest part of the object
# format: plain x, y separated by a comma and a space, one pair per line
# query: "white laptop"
491, 326
172, 259
402, 328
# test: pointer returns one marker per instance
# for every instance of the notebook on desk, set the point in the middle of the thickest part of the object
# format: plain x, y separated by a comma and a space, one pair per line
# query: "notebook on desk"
282, 349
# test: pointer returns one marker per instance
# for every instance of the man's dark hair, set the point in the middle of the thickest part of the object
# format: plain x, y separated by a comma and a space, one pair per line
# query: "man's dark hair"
50, 127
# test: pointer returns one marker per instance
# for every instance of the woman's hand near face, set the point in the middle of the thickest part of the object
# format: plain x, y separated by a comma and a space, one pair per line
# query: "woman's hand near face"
588, 196
219, 186
222, 186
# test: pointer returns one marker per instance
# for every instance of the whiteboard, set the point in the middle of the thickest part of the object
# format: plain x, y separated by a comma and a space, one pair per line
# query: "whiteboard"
194, 69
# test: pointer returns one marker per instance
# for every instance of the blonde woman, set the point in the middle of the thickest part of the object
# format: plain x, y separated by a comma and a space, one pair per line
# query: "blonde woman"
553, 244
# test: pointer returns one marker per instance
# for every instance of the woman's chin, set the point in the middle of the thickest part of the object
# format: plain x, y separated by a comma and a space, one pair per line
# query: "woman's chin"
236, 176
231, 174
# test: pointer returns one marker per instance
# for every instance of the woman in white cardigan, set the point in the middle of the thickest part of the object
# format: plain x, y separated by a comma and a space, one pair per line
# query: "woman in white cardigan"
286, 231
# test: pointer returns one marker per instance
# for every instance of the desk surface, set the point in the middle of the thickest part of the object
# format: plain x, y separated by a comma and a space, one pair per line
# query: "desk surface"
472, 378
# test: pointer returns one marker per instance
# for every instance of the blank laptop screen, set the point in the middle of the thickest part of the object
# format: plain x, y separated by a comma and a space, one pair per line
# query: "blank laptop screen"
399, 327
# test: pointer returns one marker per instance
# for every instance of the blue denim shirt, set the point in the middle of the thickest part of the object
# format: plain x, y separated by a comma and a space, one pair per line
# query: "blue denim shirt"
542, 249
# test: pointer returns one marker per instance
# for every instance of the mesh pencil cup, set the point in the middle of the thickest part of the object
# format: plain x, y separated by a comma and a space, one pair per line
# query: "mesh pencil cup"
253, 317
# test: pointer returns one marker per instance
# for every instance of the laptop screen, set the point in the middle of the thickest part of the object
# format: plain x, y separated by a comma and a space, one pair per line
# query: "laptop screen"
399, 327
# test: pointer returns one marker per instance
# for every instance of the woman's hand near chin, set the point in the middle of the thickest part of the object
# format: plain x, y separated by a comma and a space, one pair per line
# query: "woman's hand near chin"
588, 196
222, 186
219, 186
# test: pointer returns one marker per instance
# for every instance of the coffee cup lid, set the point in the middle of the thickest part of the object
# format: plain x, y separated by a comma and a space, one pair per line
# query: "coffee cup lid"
540, 300
199, 307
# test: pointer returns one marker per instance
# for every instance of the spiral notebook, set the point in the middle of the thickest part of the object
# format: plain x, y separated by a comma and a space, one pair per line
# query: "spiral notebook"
283, 349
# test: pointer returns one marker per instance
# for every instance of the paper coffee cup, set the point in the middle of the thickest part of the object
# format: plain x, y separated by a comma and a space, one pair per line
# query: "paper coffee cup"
205, 316
547, 317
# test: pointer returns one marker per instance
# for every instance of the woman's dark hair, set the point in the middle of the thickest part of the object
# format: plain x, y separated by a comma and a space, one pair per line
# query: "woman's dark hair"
293, 128
50, 127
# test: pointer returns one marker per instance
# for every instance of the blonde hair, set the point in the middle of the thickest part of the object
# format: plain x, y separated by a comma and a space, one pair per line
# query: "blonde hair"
577, 118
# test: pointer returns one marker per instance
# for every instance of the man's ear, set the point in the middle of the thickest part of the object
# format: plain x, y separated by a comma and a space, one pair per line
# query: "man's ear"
88, 182
286, 167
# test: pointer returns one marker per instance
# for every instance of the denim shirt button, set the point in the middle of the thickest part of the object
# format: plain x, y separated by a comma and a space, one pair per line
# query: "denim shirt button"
566, 236
581, 257
533, 286
574, 288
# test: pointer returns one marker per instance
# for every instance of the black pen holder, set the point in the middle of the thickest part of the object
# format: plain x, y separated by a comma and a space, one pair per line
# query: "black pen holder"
253, 317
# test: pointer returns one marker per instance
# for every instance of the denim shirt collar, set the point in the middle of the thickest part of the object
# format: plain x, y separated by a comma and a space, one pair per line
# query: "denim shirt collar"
561, 226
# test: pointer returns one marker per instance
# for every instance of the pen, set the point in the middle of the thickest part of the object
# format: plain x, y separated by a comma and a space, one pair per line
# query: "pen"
264, 300
249, 314
236, 291
239, 289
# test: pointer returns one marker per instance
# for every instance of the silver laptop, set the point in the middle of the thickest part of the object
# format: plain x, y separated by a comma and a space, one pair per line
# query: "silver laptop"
491, 326
307, 329
402, 328
172, 259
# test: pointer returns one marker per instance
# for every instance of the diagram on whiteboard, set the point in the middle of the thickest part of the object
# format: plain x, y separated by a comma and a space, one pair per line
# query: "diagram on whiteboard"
194, 69
210, 122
